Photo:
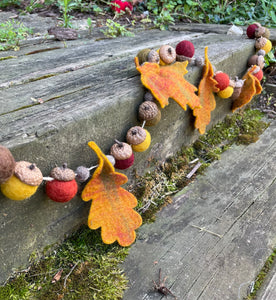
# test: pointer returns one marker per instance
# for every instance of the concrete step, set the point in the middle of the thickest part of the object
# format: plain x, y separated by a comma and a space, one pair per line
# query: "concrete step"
215, 237
90, 91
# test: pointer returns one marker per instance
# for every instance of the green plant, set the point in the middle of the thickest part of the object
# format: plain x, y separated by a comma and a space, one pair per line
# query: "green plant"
11, 32
89, 25
114, 29
66, 6
7, 3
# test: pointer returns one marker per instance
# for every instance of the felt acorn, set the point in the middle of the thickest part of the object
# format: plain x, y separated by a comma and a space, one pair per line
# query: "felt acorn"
222, 79
237, 88
227, 92
7, 164
148, 55
185, 50
258, 73
263, 43
257, 60
64, 186
149, 112
24, 182
262, 31
167, 55
139, 138
123, 154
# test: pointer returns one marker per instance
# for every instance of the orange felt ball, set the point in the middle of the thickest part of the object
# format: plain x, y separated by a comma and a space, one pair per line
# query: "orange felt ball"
222, 79
61, 191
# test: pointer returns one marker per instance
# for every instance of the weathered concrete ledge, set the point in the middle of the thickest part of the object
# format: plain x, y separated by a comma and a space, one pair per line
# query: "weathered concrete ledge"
90, 91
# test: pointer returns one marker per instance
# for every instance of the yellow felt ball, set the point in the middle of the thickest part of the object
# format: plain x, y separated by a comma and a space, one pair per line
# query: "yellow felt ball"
267, 47
226, 93
15, 189
144, 145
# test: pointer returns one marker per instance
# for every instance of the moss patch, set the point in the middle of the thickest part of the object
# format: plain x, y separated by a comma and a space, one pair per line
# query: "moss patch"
262, 275
81, 268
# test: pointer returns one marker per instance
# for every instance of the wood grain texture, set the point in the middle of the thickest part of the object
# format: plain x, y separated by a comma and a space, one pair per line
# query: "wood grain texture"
235, 198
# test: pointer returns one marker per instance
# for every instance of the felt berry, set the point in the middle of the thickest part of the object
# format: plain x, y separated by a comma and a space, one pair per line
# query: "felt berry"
111, 159
121, 6
167, 55
7, 164
149, 112
185, 50
226, 93
64, 186
222, 79
148, 96
24, 183
199, 61
82, 173
139, 138
123, 154
257, 60
263, 43
258, 73
237, 88
250, 31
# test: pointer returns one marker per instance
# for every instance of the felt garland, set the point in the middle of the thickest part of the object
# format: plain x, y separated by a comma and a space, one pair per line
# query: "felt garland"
162, 73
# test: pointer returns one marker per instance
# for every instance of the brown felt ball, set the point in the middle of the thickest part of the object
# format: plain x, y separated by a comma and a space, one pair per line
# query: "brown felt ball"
7, 164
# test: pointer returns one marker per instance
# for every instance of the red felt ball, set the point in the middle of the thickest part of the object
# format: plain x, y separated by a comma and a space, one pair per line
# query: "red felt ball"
61, 191
259, 75
185, 48
124, 163
121, 6
250, 31
222, 79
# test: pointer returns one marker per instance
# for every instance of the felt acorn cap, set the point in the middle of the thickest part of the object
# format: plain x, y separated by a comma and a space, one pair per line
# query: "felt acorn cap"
63, 173
148, 110
136, 135
28, 173
167, 54
121, 150
7, 164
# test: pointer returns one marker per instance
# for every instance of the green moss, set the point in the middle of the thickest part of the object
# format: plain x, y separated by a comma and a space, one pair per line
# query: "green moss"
262, 275
91, 266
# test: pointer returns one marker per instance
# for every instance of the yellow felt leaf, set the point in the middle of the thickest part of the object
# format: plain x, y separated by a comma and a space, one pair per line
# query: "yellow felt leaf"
112, 206
251, 87
206, 89
168, 81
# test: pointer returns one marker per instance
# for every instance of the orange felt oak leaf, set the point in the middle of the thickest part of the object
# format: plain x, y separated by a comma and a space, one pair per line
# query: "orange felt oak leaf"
206, 89
112, 206
250, 88
166, 82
